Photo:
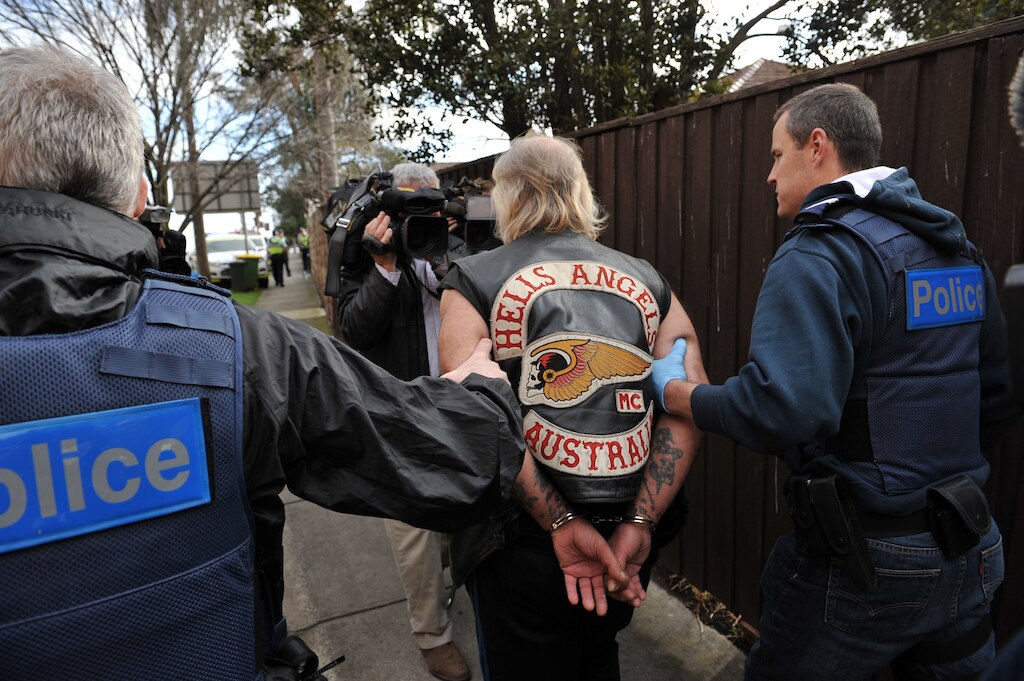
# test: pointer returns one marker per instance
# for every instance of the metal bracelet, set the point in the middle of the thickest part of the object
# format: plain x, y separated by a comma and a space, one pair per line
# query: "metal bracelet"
564, 518
641, 520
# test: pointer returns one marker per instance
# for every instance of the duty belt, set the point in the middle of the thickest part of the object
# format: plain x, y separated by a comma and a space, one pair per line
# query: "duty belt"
826, 521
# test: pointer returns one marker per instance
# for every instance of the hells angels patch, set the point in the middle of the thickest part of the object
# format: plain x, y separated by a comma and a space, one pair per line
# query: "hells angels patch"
511, 309
575, 453
561, 370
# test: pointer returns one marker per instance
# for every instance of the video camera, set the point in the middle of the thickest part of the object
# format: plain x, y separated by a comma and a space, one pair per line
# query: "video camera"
170, 243
417, 231
155, 219
474, 214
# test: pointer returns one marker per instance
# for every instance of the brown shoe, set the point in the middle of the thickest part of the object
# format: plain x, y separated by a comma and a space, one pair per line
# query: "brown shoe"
446, 663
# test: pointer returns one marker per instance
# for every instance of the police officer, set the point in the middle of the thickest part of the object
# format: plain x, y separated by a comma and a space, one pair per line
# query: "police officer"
303, 240
148, 425
878, 370
575, 324
277, 247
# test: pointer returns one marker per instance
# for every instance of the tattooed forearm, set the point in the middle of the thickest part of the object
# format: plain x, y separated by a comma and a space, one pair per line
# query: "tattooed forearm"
539, 496
522, 496
661, 469
644, 504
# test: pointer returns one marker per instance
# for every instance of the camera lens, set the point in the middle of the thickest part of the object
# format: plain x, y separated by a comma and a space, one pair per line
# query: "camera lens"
425, 236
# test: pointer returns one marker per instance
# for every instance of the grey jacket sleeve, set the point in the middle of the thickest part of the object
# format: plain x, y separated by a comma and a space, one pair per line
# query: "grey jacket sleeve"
347, 435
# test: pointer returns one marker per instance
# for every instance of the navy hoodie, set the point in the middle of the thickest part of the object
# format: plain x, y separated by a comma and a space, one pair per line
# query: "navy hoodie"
821, 311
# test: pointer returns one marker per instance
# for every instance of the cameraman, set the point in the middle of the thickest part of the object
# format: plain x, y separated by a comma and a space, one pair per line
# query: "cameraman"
390, 312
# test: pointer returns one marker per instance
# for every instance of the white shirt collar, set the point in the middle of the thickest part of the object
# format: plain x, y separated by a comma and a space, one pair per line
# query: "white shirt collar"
863, 180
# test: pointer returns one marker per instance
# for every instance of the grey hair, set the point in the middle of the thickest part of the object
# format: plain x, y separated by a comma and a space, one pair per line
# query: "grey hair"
414, 175
68, 126
540, 185
846, 114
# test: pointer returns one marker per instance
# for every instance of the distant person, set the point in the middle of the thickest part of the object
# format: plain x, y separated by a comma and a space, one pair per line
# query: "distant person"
277, 251
878, 371
577, 326
303, 240
389, 311
149, 425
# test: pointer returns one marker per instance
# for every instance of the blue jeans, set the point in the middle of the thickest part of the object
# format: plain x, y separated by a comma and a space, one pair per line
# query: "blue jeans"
815, 624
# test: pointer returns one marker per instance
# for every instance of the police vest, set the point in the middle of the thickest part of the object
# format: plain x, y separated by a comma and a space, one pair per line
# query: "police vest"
911, 418
126, 546
573, 324
275, 245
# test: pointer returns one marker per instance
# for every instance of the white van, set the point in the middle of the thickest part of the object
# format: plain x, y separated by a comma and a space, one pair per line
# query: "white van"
224, 249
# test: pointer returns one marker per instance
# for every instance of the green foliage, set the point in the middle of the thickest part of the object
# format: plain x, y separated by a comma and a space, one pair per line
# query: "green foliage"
563, 64
290, 206
849, 29
569, 64
298, 51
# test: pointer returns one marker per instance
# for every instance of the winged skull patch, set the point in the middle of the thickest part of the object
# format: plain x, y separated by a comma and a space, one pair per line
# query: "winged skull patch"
561, 370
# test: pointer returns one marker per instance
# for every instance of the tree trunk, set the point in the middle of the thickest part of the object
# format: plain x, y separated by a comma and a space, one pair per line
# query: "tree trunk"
327, 149
202, 262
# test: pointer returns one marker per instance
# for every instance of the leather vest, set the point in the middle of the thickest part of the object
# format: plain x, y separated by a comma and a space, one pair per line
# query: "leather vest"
911, 417
126, 538
573, 324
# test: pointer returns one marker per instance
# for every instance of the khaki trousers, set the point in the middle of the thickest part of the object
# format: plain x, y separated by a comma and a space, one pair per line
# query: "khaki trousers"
418, 559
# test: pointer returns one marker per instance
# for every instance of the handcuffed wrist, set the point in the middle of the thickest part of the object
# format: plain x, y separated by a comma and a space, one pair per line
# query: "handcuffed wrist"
641, 520
564, 519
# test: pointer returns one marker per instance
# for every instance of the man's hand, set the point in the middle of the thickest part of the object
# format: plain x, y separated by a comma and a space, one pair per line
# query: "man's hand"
585, 558
666, 369
479, 362
631, 544
380, 229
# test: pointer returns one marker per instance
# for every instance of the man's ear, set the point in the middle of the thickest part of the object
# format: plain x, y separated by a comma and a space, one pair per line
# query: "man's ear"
820, 143
824, 155
140, 200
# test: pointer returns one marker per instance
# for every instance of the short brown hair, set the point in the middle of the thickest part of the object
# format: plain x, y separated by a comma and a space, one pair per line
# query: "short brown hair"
844, 112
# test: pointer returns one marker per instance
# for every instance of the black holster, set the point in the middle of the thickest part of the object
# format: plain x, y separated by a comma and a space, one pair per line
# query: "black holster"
826, 523
291, 660
958, 515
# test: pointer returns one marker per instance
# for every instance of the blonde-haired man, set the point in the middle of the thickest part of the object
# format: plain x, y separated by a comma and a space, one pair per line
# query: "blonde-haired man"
577, 326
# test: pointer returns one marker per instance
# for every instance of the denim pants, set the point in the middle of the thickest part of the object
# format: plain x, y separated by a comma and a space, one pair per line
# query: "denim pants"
816, 625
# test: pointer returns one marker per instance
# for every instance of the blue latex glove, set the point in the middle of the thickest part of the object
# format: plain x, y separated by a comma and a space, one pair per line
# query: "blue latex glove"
668, 368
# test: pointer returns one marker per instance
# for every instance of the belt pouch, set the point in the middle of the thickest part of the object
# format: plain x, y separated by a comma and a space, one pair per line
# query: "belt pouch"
838, 521
958, 515
808, 535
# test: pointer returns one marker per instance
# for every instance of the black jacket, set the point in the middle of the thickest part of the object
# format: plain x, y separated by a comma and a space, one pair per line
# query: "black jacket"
384, 322
334, 427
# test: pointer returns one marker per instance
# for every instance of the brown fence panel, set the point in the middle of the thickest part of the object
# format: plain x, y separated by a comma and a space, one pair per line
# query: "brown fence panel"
685, 189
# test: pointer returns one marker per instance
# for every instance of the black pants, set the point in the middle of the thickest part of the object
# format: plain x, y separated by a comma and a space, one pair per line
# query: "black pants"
305, 259
526, 627
277, 265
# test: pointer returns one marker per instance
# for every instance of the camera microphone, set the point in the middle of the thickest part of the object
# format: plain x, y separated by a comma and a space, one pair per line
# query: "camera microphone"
455, 209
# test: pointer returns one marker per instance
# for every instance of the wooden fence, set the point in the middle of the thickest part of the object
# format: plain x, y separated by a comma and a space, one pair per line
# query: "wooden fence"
685, 189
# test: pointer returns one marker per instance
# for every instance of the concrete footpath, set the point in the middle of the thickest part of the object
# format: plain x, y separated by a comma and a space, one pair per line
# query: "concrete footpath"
344, 597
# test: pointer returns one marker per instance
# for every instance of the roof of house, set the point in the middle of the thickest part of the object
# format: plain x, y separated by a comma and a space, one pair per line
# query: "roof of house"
757, 73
